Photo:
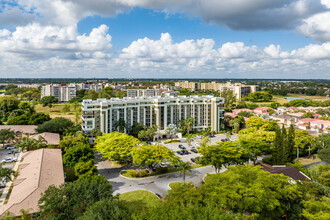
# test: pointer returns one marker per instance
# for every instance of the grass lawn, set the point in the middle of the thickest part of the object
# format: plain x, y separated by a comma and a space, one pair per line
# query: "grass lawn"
57, 111
282, 100
305, 160
139, 200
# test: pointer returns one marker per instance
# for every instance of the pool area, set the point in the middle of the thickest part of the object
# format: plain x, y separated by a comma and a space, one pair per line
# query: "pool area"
294, 98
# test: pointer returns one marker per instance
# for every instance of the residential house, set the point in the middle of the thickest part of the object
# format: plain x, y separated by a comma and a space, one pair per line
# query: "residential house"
50, 138
37, 171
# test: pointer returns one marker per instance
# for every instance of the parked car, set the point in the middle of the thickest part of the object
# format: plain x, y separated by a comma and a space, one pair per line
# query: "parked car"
9, 160
193, 160
10, 147
179, 152
185, 151
194, 150
181, 146
2, 185
162, 164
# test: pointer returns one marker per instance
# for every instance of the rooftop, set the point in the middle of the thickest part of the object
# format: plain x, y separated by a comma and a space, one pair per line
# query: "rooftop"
290, 171
51, 138
38, 170
27, 129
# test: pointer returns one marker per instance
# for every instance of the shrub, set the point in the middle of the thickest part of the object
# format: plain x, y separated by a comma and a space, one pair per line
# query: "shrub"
141, 173
162, 170
132, 173
172, 141
268, 160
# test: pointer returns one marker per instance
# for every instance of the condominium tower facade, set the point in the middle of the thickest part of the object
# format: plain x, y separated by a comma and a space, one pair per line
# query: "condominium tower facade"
102, 114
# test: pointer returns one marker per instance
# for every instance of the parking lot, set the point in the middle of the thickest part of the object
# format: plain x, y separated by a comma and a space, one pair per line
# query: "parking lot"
195, 144
4, 153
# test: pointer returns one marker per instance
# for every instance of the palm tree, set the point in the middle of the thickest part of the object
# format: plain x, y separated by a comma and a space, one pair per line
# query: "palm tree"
24, 213
189, 139
204, 141
189, 123
121, 125
185, 169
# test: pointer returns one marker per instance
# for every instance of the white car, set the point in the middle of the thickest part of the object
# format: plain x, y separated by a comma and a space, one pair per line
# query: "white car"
9, 160
162, 164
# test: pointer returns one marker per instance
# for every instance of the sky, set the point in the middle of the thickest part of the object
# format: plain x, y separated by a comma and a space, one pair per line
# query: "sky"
275, 39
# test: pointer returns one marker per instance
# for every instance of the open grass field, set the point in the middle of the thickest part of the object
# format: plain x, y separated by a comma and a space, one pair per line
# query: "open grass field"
57, 111
282, 100
139, 200
305, 160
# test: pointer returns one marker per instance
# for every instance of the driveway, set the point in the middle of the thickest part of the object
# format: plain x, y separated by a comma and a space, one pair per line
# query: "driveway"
156, 184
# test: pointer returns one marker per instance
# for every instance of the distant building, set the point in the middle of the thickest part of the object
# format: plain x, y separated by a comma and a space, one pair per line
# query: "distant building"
62, 93
143, 92
238, 89
66, 92
37, 171
207, 111
189, 85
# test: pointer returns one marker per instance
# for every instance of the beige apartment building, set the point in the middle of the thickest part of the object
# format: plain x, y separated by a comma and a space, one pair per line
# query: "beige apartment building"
188, 85
143, 92
238, 89
160, 111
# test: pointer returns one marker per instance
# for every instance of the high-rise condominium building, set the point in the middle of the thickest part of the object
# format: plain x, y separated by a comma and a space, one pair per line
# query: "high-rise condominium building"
66, 92
62, 93
102, 114
238, 89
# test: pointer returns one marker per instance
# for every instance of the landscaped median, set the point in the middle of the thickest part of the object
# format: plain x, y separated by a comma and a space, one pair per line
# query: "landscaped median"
136, 174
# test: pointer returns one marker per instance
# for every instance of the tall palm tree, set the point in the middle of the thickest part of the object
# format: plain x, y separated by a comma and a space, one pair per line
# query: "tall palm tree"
185, 169
189, 139
121, 125
189, 123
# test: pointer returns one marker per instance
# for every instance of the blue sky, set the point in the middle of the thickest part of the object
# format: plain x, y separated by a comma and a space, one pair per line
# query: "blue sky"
139, 23
165, 39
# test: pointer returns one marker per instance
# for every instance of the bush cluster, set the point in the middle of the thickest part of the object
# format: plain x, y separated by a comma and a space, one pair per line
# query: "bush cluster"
172, 141
141, 173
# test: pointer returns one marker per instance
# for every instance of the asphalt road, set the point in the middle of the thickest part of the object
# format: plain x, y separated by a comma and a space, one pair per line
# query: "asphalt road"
156, 184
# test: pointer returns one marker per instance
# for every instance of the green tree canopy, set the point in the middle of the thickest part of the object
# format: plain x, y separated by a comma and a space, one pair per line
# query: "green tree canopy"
56, 125
83, 168
109, 208
324, 155
151, 155
221, 154
71, 140
71, 200
6, 134
78, 153
5, 174
116, 146
48, 101
244, 189
322, 141
39, 118
260, 96
32, 144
